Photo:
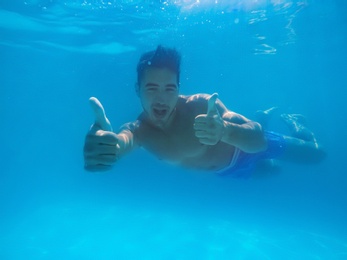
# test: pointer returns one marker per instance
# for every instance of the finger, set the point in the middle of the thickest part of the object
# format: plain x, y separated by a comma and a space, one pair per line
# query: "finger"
106, 137
200, 119
211, 105
99, 113
206, 141
97, 168
205, 121
201, 134
104, 159
101, 137
92, 150
200, 126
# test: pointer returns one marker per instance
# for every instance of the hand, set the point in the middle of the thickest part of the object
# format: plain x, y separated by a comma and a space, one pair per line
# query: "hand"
209, 128
101, 144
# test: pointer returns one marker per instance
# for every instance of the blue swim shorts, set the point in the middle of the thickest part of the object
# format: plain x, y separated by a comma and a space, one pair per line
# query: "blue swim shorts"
242, 164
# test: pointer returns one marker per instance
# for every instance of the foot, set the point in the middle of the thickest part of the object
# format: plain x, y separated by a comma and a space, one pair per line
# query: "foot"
301, 119
263, 116
296, 124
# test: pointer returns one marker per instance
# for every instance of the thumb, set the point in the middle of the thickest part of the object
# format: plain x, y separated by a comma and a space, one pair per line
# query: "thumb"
211, 105
100, 116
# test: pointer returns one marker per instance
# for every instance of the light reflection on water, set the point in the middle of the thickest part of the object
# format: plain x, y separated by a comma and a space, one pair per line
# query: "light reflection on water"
114, 27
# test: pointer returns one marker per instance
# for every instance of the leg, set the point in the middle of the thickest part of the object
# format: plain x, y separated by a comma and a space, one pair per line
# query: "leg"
302, 146
301, 151
296, 124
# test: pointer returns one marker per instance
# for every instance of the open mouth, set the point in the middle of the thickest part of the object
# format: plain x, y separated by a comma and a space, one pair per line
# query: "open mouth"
160, 112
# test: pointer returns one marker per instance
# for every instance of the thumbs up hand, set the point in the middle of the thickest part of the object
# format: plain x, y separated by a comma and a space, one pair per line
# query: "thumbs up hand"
101, 121
101, 146
209, 127
211, 105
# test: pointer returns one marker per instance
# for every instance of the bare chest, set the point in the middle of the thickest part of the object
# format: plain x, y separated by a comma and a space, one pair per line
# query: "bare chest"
177, 145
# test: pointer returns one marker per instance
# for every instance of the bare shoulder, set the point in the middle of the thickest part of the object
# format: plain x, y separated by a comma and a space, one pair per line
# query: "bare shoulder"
199, 102
196, 102
196, 98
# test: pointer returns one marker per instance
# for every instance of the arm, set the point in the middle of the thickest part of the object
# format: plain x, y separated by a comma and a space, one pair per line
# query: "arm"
103, 147
242, 133
220, 124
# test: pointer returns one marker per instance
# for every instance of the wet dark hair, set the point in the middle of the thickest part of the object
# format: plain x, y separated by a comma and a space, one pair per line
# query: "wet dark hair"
160, 58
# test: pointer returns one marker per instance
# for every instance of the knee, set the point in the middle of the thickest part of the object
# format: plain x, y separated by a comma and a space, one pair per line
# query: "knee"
315, 154
306, 153
319, 154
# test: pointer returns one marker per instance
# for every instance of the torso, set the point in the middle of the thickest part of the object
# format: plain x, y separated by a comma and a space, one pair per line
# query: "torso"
178, 143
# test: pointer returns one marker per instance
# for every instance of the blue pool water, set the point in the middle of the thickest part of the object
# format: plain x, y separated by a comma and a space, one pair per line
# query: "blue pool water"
55, 54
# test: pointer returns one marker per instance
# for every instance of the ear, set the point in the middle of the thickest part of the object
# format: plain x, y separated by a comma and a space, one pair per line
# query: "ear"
137, 89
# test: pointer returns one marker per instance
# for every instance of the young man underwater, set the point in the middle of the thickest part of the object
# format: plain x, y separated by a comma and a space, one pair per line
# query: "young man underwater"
195, 131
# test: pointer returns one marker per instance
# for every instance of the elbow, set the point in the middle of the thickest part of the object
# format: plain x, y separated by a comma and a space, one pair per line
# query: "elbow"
249, 138
262, 144
260, 141
258, 144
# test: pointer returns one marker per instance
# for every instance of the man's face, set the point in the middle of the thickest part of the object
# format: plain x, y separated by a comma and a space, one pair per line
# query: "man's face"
158, 92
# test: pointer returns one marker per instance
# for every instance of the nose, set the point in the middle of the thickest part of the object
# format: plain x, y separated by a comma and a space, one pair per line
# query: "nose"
160, 98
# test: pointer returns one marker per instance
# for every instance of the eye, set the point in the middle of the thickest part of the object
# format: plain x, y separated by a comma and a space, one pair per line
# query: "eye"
151, 89
171, 89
